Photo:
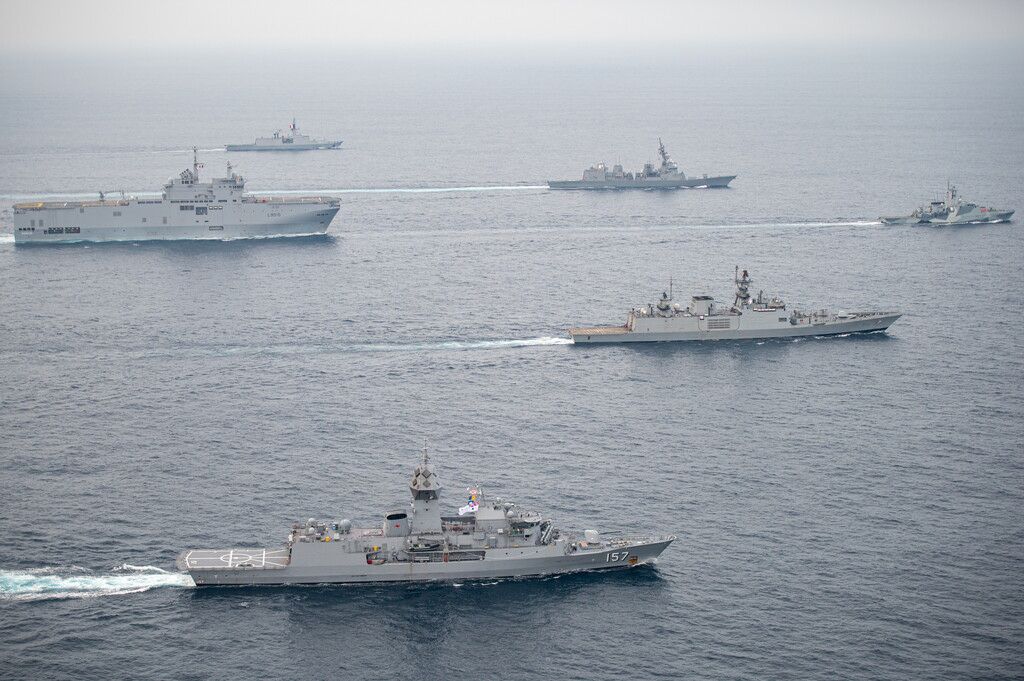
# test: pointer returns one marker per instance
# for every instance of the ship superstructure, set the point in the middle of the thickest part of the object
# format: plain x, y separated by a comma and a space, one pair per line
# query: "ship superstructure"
489, 538
665, 176
747, 317
186, 209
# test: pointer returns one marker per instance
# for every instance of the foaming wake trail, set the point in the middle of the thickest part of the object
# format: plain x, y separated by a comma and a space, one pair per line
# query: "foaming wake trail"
403, 190
6, 238
54, 583
475, 345
404, 347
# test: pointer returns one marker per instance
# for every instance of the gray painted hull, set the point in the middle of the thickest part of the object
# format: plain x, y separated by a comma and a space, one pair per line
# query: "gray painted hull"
983, 219
980, 219
282, 147
304, 225
104, 234
488, 568
613, 335
690, 183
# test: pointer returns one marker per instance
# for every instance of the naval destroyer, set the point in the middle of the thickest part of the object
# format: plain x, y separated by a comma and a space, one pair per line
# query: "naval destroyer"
489, 538
293, 141
186, 209
666, 176
953, 211
746, 318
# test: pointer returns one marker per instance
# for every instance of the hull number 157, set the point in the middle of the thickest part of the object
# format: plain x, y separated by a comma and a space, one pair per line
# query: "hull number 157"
616, 556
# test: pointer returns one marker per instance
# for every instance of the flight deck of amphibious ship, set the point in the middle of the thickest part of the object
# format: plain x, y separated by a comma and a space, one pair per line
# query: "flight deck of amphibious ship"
747, 318
487, 539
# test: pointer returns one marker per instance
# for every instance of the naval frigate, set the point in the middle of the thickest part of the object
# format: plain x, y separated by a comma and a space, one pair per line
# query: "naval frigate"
293, 141
748, 317
489, 538
186, 209
953, 211
666, 176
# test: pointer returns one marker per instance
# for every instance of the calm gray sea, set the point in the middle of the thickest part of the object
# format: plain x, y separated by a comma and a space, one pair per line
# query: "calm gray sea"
846, 507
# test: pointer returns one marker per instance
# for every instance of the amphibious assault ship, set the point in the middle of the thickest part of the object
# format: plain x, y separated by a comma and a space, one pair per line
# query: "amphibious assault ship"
953, 211
186, 209
748, 317
293, 141
666, 176
487, 539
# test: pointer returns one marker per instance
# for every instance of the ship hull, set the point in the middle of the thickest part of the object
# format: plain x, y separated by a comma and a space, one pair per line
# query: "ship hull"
719, 182
250, 221
990, 217
282, 147
620, 334
488, 568
977, 219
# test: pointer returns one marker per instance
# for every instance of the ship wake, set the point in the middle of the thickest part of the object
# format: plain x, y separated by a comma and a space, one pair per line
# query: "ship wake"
430, 346
58, 583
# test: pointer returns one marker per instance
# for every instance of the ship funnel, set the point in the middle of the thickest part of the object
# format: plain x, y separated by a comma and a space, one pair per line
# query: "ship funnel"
396, 524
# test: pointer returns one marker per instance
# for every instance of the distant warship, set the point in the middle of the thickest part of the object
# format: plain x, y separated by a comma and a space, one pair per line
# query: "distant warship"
187, 209
953, 211
748, 317
487, 539
667, 176
293, 141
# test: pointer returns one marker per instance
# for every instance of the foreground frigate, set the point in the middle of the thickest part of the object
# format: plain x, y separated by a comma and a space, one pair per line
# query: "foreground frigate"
748, 317
487, 539
187, 209
953, 211
667, 176
293, 141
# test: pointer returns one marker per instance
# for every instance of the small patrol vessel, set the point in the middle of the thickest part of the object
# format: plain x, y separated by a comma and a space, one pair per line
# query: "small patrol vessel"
487, 539
666, 176
293, 141
187, 209
748, 317
953, 211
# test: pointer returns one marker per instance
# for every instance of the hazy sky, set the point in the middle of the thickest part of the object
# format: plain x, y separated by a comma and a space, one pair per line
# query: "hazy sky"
47, 25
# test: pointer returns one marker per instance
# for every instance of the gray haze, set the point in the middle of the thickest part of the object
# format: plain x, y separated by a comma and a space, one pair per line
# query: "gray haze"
112, 25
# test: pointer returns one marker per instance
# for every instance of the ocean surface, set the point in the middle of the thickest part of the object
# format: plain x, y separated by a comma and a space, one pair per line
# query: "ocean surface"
848, 507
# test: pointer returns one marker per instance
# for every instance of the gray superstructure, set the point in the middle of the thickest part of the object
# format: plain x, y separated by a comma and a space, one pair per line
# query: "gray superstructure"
487, 539
666, 176
293, 141
746, 318
953, 211
186, 209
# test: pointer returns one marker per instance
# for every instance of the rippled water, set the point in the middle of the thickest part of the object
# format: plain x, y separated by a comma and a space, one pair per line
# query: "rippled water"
847, 507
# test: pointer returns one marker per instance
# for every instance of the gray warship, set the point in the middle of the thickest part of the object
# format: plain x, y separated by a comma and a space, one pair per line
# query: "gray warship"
953, 211
666, 176
487, 539
188, 208
293, 141
747, 317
